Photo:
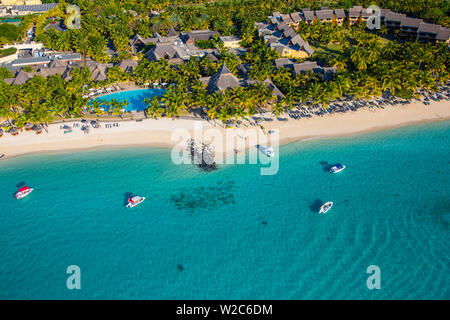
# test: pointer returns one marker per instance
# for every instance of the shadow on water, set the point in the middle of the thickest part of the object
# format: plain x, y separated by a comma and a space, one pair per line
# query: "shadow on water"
20, 185
315, 206
441, 213
127, 196
326, 166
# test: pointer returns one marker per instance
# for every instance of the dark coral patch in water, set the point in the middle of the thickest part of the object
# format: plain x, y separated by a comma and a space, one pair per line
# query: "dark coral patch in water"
441, 213
205, 197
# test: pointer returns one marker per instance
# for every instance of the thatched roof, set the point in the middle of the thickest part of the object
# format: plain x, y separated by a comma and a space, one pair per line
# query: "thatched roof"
223, 80
22, 77
172, 32
57, 63
128, 65
99, 73
274, 89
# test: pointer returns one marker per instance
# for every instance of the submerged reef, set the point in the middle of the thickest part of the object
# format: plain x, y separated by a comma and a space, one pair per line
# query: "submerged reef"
205, 197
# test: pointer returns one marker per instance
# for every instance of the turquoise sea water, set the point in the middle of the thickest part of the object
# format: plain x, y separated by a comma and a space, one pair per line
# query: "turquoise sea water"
232, 233
135, 98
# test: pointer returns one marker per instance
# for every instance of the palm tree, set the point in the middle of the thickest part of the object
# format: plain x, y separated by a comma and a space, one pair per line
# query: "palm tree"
154, 108
278, 109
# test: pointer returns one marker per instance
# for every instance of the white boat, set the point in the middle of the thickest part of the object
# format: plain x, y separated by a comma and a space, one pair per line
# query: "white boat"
337, 168
134, 201
268, 151
326, 207
23, 192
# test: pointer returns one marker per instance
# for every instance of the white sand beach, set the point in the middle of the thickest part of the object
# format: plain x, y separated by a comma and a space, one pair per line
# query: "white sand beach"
152, 132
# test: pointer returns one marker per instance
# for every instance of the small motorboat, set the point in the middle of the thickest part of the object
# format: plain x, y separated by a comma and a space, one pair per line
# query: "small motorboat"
23, 192
326, 207
268, 151
134, 201
337, 168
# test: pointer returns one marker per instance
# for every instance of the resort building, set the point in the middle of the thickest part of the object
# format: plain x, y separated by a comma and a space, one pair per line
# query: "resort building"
276, 93
128, 65
56, 67
174, 53
383, 14
192, 36
308, 16
137, 43
223, 80
366, 14
393, 20
296, 19
20, 78
354, 15
41, 59
339, 16
410, 26
176, 47
231, 41
325, 15
56, 25
306, 66
283, 39
433, 32
21, 10
286, 18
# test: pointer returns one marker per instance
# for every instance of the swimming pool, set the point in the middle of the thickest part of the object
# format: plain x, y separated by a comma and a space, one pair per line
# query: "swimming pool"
135, 98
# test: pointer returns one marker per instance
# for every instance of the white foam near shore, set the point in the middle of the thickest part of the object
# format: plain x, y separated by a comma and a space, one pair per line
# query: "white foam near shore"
159, 132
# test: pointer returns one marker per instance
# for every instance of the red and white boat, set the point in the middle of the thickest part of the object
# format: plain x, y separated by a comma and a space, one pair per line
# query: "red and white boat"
134, 201
23, 192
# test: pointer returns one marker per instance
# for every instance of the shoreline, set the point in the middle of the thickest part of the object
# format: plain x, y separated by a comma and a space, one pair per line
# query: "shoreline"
158, 133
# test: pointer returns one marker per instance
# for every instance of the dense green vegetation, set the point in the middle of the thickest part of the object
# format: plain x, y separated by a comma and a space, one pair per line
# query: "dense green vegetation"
9, 33
104, 20
41, 100
7, 52
368, 63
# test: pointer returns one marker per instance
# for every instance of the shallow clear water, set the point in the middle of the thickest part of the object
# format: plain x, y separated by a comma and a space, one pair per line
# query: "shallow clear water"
135, 98
233, 233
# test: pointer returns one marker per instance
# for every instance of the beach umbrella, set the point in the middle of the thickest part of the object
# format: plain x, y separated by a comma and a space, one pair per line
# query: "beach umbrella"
37, 129
14, 131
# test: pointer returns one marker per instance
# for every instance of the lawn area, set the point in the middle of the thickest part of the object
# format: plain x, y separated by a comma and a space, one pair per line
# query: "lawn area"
333, 49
